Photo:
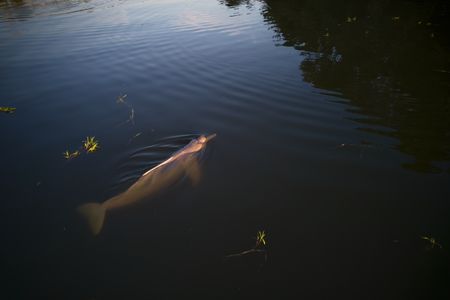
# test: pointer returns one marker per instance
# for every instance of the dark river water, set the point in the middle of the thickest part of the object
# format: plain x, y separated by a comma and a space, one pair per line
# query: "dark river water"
333, 136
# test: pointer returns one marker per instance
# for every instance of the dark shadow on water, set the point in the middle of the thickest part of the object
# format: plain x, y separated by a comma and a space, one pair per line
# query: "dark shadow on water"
390, 59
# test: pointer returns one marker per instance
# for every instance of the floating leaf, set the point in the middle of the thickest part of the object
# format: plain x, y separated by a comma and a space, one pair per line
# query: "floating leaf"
7, 110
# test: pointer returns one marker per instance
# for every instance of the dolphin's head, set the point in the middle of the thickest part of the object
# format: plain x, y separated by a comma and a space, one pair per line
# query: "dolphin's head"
204, 139
198, 144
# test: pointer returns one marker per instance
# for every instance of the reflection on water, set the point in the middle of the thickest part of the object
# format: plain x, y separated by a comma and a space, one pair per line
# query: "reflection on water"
390, 59
23, 9
339, 161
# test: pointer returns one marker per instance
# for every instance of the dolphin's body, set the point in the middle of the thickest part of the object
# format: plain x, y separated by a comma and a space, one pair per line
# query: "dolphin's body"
183, 162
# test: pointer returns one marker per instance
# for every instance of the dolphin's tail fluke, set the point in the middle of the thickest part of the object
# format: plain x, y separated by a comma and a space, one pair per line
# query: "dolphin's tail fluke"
94, 213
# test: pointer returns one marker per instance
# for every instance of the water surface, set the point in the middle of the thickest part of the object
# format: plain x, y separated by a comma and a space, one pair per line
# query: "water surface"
333, 136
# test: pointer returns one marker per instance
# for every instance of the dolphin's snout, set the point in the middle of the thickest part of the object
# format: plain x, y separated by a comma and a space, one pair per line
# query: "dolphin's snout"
210, 137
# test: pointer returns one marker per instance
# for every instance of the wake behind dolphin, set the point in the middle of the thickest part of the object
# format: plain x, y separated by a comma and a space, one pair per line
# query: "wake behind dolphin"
183, 162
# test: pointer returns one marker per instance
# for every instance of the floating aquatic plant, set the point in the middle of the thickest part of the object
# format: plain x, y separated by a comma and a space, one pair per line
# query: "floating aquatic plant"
69, 155
93, 148
131, 118
7, 110
121, 98
91, 144
432, 241
260, 239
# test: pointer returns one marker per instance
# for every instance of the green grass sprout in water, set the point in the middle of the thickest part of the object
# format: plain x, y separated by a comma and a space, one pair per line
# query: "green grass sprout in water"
69, 155
260, 239
260, 247
7, 110
91, 144
432, 242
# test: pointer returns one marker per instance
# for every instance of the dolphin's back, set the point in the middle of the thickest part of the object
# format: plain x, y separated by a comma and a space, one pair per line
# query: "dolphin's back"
162, 176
